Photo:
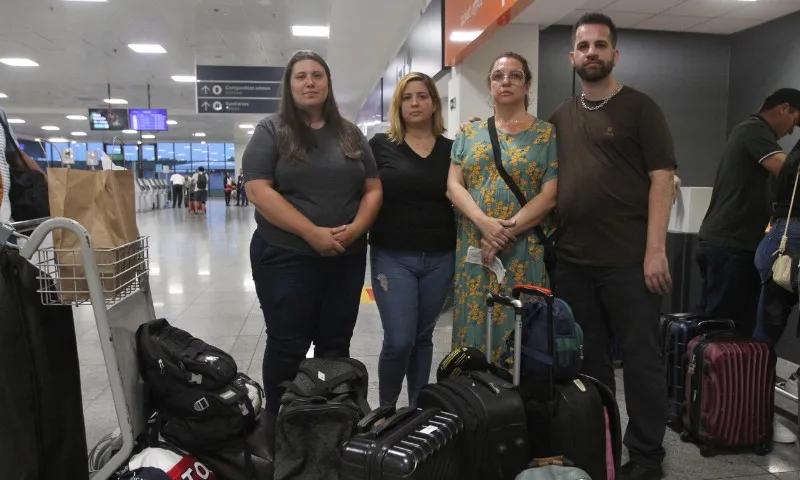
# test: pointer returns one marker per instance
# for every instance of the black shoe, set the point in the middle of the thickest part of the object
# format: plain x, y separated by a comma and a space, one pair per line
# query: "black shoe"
637, 471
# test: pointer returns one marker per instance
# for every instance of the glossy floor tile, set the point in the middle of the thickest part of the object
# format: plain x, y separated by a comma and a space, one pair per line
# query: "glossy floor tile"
200, 281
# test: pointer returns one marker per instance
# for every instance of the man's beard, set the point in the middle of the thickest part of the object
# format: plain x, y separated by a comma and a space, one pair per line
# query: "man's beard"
604, 70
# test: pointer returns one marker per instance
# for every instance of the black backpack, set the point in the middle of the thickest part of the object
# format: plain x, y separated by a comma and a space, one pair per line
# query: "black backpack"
227, 414
173, 361
329, 394
194, 386
202, 181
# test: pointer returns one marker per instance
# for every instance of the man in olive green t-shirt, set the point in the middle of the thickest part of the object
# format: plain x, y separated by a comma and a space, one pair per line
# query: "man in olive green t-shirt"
739, 211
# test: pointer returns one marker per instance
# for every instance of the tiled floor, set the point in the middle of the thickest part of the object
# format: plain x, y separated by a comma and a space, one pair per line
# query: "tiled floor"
201, 282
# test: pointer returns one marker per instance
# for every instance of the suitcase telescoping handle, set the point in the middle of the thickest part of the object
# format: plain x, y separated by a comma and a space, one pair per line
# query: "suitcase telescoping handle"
549, 299
493, 299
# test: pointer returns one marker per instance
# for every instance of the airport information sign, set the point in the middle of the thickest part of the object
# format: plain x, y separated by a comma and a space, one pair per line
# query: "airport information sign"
238, 90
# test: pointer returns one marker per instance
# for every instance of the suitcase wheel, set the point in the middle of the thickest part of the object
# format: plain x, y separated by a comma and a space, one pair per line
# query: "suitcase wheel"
686, 437
707, 451
764, 449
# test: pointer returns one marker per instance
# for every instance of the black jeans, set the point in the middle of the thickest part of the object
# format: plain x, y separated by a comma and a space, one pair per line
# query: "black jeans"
177, 196
731, 284
305, 299
614, 303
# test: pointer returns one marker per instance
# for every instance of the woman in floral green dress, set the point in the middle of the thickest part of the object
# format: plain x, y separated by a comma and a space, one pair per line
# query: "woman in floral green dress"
491, 219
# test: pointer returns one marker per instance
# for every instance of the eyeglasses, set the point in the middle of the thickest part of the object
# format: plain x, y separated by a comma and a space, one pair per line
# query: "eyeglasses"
515, 77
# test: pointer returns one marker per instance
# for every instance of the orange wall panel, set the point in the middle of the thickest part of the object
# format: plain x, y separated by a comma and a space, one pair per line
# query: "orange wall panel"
483, 16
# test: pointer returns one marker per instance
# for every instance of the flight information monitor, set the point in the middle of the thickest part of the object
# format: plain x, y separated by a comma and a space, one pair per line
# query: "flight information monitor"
151, 120
108, 119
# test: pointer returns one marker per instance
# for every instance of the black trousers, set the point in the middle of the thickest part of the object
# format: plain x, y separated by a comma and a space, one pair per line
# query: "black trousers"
177, 196
614, 303
305, 299
731, 284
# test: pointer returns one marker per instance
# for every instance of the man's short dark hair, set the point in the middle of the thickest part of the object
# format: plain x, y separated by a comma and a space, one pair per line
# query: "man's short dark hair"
201, 169
596, 18
781, 96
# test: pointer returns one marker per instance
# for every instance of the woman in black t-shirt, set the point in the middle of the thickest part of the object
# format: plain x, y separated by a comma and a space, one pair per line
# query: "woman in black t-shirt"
413, 240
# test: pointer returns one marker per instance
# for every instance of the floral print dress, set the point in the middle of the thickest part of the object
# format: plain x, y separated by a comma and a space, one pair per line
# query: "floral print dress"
530, 158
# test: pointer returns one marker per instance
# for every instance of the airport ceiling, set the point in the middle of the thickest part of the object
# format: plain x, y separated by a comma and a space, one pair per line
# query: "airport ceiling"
82, 46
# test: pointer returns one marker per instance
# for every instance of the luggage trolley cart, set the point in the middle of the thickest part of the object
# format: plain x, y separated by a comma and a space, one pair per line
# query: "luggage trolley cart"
115, 283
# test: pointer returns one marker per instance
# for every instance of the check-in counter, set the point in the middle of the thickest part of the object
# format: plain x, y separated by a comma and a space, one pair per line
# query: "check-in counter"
687, 215
147, 195
138, 195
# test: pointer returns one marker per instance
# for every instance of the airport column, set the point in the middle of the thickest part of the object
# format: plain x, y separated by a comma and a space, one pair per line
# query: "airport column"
238, 151
468, 88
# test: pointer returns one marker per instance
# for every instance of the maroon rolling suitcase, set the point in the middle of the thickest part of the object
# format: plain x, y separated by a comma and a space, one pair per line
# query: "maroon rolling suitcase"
730, 393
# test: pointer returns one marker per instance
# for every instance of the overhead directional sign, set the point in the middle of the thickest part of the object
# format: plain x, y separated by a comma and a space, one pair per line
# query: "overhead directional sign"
238, 90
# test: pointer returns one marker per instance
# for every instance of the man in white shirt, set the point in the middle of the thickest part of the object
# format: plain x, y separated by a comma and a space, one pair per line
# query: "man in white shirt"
177, 182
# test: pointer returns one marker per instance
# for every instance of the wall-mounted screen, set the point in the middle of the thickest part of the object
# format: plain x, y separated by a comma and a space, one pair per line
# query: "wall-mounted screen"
148, 120
108, 119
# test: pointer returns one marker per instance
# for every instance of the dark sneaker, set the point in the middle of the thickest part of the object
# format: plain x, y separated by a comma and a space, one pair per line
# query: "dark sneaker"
637, 471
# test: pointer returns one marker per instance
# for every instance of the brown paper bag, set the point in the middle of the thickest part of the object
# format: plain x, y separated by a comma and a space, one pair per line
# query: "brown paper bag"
104, 203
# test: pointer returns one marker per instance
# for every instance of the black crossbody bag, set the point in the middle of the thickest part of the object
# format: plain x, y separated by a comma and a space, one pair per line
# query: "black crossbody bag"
547, 242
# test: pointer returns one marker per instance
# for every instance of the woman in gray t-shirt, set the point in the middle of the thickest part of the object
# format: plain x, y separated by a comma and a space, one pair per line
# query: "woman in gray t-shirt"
313, 180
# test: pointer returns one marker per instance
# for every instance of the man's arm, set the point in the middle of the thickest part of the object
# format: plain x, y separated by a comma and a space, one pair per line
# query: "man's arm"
656, 268
774, 163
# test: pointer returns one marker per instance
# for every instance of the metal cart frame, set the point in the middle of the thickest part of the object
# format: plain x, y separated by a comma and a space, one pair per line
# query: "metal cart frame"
119, 293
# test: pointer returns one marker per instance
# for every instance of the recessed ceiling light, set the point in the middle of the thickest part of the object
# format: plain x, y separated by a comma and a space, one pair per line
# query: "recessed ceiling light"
199, 134
58, 140
148, 136
172, 122
251, 132
51, 128
16, 120
3, 95
19, 62
203, 142
184, 78
130, 132
138, 142
310, 31
246, 126
115, 101
464, 35
147, 48
78, 134
76, 117
88, 1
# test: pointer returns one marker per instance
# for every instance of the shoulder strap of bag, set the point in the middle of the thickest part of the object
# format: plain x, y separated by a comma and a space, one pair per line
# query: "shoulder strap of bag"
498, 162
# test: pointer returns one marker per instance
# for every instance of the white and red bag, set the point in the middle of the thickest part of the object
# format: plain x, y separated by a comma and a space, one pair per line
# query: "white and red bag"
166, 464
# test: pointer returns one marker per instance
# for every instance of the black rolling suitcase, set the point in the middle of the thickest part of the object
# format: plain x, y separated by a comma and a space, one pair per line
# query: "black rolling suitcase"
495, 443
677, 330
407, 444
577, 418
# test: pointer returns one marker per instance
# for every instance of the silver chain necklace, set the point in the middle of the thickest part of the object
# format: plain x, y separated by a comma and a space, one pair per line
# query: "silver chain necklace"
601, 104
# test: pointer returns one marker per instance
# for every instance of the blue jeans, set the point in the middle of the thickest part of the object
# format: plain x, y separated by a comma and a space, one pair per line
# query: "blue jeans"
775, 304
410, 289
305, 299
